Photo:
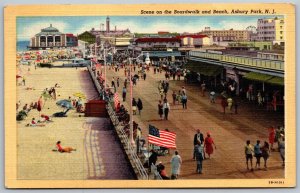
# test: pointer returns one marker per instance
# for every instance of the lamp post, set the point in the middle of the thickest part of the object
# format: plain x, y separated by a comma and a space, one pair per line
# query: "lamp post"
104, 55
131, 96
105, 50
130, 108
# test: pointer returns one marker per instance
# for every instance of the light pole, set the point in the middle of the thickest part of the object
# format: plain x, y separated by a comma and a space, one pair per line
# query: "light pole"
104, 56
131, 96
130, 108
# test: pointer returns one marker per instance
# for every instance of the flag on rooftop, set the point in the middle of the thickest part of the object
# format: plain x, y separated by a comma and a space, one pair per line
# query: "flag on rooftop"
161, 138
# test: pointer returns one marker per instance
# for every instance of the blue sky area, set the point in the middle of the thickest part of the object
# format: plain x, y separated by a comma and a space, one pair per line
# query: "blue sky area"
28, 26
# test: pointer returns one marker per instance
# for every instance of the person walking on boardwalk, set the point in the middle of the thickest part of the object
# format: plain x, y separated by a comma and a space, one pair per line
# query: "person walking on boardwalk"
224, 104
257, 154
198, 137
203, 88
199, 153
212, 97
176, 162
178, 97
152, 159
208, 145
174, 97
184, 101
272, 133
248, 154
161, 92
166, 109
282, 150
134, 106
140, 105
124, 94
125, 83
118, 82
265, 153
229, 103
160, 109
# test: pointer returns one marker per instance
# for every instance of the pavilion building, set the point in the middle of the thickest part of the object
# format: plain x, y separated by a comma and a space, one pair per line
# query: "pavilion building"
51, 37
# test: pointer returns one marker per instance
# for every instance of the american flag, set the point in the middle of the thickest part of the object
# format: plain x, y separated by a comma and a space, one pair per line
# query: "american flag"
161, 138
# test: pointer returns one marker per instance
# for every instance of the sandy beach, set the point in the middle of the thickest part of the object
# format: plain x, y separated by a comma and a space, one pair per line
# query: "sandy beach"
36, 160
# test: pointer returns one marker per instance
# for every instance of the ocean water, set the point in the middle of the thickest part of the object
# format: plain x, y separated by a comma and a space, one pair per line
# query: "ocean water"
22, 45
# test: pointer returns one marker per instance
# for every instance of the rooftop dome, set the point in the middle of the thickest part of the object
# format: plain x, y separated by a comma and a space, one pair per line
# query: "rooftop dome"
50, 29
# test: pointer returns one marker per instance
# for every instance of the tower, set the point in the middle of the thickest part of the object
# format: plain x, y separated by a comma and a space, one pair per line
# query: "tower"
107, 25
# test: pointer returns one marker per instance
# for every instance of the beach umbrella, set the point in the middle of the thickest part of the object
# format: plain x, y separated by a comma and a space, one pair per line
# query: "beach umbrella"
65, 103
79, 95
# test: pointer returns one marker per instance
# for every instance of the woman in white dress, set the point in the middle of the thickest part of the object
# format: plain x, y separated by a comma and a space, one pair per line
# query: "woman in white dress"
176, 162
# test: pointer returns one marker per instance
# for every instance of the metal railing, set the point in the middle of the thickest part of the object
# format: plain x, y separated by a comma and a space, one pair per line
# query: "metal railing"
157, 176
241, 60
96, 82
131, 152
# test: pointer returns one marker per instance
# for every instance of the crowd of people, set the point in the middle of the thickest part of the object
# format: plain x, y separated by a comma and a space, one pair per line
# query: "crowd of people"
204, 147
264, 151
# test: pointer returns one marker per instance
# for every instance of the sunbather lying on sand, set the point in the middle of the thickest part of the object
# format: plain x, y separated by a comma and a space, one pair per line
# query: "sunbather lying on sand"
63, 149
33, 123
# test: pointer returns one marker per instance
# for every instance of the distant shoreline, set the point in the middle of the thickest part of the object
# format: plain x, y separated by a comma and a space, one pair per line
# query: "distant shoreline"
22, 45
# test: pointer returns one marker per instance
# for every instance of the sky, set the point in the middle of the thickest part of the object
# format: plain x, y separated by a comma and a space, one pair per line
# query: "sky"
27, 27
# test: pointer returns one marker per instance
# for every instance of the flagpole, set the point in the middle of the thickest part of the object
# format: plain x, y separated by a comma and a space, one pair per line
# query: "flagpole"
130, 107
148, 158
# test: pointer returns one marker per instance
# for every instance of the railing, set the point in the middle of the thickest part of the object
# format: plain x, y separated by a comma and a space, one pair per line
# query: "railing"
96, 83
241, 60
130, 150
157, 176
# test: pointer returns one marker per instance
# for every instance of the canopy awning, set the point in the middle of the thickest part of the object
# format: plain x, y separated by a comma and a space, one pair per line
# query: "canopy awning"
204, 69
276, 80
258, 76
265, 78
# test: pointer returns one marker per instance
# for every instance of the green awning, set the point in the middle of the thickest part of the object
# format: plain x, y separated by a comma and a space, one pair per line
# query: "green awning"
207, 70
276, 80
258, 76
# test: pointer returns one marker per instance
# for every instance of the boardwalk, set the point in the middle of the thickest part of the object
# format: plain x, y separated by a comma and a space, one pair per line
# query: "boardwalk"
229, 131
98, 154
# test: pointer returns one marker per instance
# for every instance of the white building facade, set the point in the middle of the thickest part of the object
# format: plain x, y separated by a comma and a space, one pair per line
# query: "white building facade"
271, 29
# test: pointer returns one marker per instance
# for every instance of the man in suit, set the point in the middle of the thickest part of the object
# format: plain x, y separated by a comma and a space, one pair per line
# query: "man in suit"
198, 137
